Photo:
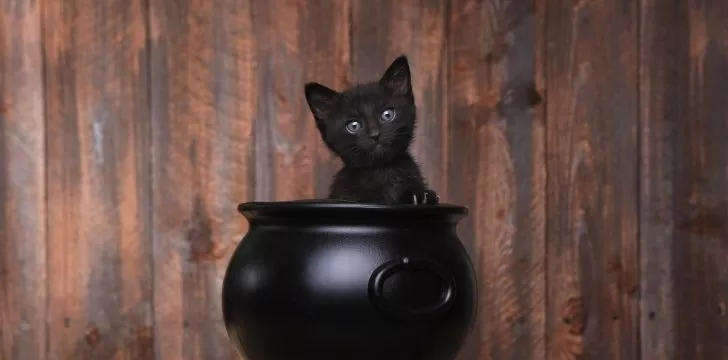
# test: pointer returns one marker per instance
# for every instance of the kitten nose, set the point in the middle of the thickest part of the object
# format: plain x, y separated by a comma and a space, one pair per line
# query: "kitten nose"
374, 134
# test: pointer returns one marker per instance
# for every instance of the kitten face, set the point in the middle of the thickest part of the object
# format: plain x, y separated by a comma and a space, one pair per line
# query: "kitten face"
369, 124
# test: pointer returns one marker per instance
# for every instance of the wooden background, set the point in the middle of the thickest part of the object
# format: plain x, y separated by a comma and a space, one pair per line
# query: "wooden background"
130, 129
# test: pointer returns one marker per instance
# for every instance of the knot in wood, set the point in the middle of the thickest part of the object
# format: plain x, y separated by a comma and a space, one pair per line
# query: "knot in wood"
198, 232
92, 335
575, 316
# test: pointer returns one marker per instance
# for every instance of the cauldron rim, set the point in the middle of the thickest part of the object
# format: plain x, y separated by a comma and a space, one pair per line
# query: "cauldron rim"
324, 206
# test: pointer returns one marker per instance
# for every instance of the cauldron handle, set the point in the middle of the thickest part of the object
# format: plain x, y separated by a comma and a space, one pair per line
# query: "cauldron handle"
380, 275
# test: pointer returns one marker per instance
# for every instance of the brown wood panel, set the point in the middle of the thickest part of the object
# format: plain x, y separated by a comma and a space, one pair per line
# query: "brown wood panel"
662, 94
326, 55
684, 164
382, 30
203, 100
298, 42
593, 271
22, 183
467, 82
99, 268
496, 167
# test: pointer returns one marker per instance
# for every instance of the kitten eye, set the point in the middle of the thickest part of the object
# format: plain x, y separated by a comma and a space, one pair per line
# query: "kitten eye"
353, 127
388, 115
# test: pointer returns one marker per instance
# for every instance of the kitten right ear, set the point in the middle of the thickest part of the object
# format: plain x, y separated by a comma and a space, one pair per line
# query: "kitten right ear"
320, 98
397, 77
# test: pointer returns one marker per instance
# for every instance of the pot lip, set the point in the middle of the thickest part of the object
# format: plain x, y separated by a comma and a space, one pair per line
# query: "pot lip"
326, 205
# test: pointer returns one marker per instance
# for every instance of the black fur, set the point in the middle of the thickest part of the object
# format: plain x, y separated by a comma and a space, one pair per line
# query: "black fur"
370, 127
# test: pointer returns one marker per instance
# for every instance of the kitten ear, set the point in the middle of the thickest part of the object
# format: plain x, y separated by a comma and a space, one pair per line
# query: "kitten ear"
397, 78
319, 98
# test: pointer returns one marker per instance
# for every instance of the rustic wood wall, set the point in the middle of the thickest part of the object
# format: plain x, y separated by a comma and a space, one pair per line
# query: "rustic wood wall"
588, 138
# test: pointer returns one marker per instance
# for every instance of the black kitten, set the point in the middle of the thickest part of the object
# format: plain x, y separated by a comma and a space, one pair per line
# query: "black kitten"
370, 127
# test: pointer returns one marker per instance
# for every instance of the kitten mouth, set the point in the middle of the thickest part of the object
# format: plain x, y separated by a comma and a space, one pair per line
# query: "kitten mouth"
377, 149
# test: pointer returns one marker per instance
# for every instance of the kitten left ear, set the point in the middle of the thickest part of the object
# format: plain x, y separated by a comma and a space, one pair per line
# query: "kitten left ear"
397, 78
319, 98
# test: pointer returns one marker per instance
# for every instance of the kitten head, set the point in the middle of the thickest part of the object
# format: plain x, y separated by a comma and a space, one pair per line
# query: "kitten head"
369, 124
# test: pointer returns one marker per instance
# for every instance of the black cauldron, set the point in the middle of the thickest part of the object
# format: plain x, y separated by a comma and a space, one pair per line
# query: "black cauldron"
322, 280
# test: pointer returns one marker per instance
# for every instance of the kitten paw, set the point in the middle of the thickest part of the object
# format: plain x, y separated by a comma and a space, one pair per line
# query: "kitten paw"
427, 197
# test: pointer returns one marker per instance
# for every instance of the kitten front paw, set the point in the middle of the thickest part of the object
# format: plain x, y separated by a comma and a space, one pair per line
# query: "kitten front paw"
426, 197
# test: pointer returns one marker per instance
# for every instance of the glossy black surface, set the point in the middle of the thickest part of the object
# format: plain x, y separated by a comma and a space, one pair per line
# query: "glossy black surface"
326, 280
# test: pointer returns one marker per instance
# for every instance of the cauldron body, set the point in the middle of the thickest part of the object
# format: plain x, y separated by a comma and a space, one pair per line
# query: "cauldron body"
317, 280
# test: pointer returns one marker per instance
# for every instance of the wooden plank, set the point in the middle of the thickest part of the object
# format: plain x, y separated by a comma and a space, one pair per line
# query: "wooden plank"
381, 30
203, 101
684, 202
466, 111
98, 195
593, 275
327, 60
22, 183
497, 168
298, 42
661, 95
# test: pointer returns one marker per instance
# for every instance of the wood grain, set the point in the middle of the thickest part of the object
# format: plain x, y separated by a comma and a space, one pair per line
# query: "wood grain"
586, 137
381, 31
497, 167
203, 107
98, 180
684, 165
23, 273
593, 269
298, 42
327, 59
466, 113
